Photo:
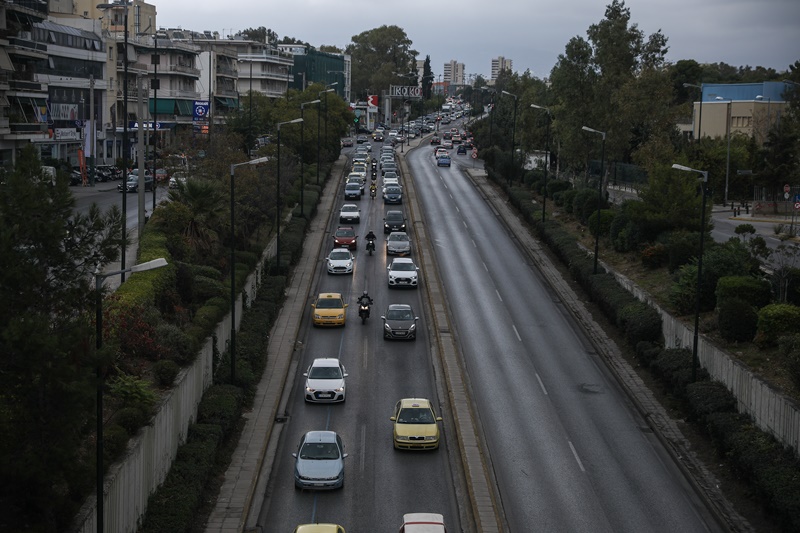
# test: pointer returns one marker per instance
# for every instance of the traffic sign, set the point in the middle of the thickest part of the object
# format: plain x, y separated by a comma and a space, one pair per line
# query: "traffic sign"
786, 196
474, 155
787, 188
797, 205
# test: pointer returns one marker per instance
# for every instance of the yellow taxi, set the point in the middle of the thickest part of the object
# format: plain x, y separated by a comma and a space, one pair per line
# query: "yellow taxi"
319, 528
415, 425
329, 309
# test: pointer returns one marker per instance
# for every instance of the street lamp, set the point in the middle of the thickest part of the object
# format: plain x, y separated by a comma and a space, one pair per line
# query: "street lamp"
233, 264
319, 115
728, 158
704, 173
546, 155
513, 138
278, 196
99, 277
303, 152
599, 192
123, 4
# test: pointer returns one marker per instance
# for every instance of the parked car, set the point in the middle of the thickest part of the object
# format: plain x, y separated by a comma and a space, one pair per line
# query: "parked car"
319, 461
132, 183
325, 381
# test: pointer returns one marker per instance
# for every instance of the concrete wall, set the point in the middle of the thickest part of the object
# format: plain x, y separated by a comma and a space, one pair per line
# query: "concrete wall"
772, 412
148, 458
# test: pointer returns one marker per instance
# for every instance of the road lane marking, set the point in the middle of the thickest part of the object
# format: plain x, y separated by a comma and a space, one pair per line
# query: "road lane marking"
541, 384
575, 453
516, 332
363, 448
499, 297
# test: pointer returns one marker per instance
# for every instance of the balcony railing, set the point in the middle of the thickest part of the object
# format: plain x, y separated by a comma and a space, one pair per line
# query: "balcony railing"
18, 128
26, 44
183, 70
178, 93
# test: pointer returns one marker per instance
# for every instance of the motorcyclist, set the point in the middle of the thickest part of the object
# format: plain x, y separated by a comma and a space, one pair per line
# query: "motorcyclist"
371, 236
365, 299
373, 189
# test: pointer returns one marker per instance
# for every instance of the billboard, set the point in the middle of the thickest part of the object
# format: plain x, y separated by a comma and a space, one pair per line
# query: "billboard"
405, 91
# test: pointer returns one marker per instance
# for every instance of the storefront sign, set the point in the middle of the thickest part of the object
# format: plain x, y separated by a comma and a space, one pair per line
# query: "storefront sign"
67, 134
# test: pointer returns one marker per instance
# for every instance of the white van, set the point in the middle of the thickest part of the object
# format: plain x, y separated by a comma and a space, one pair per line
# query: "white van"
423, 523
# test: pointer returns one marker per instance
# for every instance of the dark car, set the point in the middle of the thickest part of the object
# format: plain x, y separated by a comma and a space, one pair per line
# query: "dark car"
132, 183
345, 237
399, 322
394, 221
361, 139
436, 140
347, 141
461, 149
378, 137
393, 195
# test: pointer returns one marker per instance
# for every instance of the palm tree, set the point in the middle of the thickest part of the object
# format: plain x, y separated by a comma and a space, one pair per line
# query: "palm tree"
207, 207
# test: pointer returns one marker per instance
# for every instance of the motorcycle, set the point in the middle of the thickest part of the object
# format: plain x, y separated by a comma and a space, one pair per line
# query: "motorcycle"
372, 193
370, 246
363, 312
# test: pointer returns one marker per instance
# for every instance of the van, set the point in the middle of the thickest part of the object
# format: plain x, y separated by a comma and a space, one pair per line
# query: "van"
423, 523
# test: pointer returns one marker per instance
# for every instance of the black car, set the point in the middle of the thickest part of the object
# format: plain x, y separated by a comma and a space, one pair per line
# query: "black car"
393, 195
399, 322
461, 149
361, 139
394, 221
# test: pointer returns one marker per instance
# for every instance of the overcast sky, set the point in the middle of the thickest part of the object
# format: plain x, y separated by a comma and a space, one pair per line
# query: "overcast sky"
532, 34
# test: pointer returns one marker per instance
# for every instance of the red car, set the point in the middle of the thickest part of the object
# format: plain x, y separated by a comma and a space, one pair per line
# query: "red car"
345, 237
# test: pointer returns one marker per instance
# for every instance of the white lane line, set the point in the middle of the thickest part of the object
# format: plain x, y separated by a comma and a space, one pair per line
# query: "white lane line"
516, 332
575, 453
364, 355
457, 209
486, 268
473, 243
501, 299
541, 384
465, 224
363, 458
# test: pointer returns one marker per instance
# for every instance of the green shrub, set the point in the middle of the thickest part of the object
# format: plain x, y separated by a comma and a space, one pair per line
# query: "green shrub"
640, 322
206, 271
706, 397
752, 290
789, 346
655, 256
221, 405
206, 288
555, 186
722, 425
115, 440
165, 372
647, 351
132, 391
673, 367
130, 418
776, 320
606, 219
584, 204
569, 200
737, 320
176, 344
682, 247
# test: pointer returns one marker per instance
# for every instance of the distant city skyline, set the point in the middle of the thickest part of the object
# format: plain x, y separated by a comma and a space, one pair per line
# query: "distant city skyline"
756, 33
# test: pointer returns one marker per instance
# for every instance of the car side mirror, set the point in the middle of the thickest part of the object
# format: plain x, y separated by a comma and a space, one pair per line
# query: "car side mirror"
294, 455
392, 418
305, 374
438, 418
345, 455
383, 317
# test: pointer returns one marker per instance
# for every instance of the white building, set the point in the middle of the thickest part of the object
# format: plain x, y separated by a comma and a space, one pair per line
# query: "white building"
500, 63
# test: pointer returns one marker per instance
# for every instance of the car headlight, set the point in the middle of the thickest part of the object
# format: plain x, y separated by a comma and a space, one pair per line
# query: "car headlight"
341, 315
431, 437
309, 389
387, 327
340, 389
412, 327
317, 316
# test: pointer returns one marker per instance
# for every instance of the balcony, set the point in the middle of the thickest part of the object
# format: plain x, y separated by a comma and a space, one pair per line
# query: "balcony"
227, 71
183, 69
133, 67
226, 92
24, 81
23, 128
178, 93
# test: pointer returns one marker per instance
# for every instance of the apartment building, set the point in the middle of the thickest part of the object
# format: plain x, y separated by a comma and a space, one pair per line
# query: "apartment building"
500, 63
313, 66
454, 72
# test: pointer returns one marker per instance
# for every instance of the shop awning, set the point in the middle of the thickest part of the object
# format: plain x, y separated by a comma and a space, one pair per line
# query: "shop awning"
166, 106
185, 107
227, 102
5, 61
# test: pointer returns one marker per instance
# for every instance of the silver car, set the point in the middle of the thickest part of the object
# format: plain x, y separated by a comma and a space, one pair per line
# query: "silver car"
403, 273
325, 380
319, 461
398, 243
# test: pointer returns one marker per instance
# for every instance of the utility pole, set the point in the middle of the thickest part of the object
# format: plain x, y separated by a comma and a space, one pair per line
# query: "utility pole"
92, 132
140, 151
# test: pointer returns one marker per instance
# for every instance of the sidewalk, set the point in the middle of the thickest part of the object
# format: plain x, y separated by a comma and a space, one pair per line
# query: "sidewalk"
241, 493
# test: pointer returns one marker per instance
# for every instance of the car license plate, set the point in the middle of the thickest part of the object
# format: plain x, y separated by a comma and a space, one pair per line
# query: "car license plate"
325, 395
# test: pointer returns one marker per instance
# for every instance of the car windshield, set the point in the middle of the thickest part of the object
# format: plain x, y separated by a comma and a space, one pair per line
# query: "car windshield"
329, 303
349, 208
399, 314
325, 372
345, 233
394, 217
340, 255
398, 237
415, 415
319, 451
403, 267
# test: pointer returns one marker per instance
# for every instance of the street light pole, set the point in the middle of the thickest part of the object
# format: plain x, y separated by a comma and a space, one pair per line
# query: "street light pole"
546, 156
319, 116
233, 262
99, 277
599, 193
704, 173
303, 153
728, 158
513, 137
278, 196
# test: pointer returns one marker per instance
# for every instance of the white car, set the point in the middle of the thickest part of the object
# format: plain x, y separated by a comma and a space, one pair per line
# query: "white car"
340, 261
350, 213
325, 381
403, 273
388, 182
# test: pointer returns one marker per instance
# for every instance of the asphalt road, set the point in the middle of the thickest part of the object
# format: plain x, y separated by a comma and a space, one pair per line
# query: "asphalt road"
567, 449
381, 484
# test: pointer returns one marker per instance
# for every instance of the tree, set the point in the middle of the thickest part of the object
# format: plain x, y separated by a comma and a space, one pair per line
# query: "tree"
376, 55
47, 366
427, 78
260, 34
